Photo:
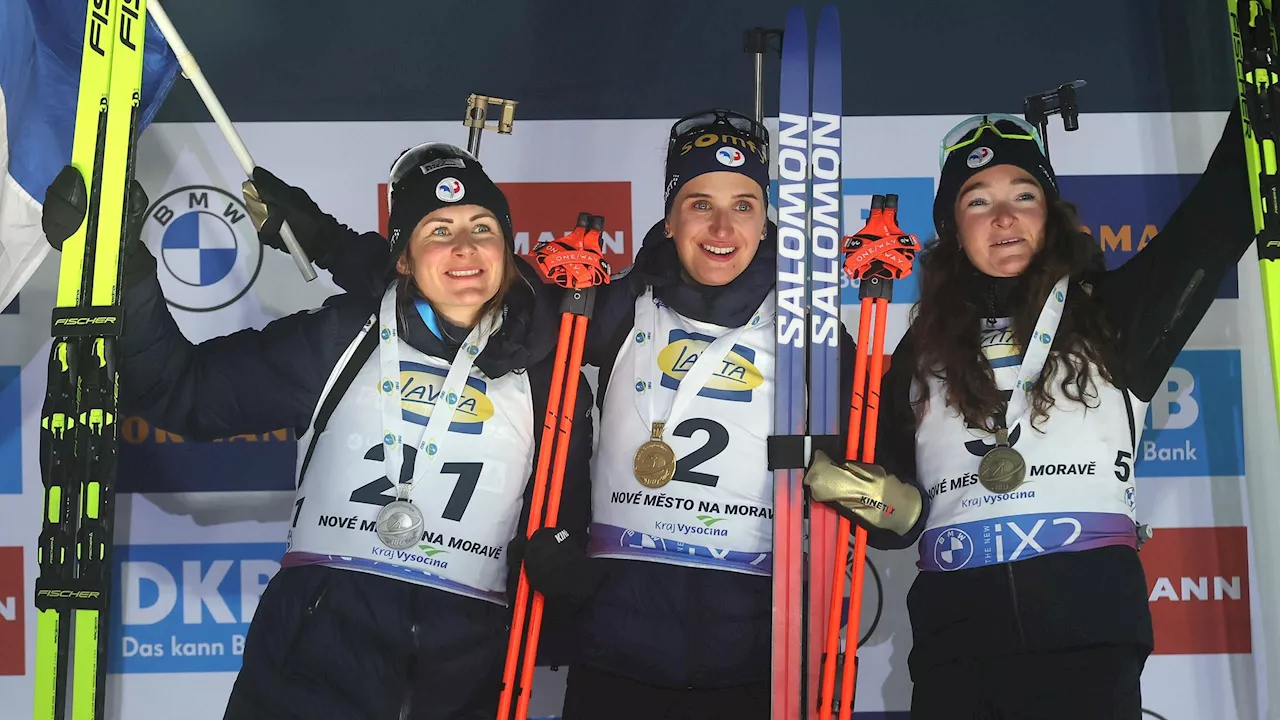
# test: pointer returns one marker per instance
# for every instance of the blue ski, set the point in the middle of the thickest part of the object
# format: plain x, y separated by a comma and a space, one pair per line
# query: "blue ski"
789, 391
826, 261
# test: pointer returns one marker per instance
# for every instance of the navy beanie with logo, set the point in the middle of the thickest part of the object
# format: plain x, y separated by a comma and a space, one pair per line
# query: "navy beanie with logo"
716, 148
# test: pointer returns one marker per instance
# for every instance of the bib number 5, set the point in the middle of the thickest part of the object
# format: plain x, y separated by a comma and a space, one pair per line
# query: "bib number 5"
381, 492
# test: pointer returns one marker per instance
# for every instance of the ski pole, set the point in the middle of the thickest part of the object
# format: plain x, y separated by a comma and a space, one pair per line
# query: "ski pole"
573, 262
192, 72
876, 255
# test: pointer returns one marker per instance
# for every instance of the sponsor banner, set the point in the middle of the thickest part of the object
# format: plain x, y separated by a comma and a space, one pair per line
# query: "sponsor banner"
186, 608
1125, 212
13, 604
10, 430
153, 460
1194, 424
1198, 587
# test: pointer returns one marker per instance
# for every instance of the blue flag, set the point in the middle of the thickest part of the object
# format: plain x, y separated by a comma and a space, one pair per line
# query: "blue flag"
40, 46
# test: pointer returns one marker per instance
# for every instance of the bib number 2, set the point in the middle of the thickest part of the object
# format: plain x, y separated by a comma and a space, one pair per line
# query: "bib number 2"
717, 441
381, 492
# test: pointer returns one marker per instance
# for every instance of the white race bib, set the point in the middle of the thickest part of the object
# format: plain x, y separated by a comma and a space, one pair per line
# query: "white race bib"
471, 505
1079, 492
717, 512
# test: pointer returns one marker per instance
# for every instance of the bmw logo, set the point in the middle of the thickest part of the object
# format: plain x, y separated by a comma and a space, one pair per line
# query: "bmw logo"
205, 245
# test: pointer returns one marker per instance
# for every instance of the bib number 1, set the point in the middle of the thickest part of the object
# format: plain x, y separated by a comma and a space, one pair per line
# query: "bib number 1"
381, 492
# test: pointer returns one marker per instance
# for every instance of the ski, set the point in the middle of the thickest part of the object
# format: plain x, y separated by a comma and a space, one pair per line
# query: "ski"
789, 390
826, 260
1253, 40
78, 421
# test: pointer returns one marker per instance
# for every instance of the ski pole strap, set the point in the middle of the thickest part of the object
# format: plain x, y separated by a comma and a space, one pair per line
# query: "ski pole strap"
795, 452
575, 261
873, 256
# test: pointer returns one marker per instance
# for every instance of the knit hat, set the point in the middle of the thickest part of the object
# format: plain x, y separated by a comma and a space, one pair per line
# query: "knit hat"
434, 175
985, 141
716, 141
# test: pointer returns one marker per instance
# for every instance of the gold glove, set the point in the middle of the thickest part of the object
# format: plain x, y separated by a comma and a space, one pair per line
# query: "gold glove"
864, 492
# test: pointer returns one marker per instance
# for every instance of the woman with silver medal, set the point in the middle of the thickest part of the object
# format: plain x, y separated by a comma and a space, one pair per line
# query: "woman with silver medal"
1013, 409
416, 411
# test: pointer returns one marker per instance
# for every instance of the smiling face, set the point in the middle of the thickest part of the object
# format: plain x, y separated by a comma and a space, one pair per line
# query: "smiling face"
717, 221
1000, 218
456, 256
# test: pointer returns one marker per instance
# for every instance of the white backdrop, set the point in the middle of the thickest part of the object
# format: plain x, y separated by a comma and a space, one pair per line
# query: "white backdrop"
191, 564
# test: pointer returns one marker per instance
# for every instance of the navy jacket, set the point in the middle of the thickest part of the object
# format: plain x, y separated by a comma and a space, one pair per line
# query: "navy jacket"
259, 380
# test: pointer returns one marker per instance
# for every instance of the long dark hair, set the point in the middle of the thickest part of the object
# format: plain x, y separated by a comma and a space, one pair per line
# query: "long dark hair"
946, 328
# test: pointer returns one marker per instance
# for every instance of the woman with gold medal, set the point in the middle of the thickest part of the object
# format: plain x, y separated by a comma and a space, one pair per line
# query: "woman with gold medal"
1026, 353
416, 409
682, 501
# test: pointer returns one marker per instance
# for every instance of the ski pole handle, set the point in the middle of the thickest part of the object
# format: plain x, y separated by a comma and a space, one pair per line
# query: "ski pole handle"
191, 70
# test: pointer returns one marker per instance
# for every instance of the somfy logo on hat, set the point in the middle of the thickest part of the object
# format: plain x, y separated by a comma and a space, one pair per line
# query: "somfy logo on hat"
730, 156
450, 190
979, 157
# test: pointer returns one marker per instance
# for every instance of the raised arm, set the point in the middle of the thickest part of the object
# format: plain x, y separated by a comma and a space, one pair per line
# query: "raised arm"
1157, 298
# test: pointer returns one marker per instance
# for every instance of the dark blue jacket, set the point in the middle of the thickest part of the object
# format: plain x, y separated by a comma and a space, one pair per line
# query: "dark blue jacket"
255, 381
671, 625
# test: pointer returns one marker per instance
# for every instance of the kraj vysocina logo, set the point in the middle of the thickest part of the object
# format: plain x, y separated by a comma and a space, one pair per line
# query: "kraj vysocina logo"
207, 251
186, 608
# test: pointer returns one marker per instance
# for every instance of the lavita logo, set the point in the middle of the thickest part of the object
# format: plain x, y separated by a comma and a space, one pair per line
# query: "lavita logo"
187, 608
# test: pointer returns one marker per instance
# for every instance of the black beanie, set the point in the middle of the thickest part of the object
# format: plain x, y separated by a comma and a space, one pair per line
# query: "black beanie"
716, 147
989, 151
437, 180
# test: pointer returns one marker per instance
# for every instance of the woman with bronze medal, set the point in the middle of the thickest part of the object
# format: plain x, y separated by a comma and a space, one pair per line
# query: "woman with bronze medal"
416, 410
1025, 354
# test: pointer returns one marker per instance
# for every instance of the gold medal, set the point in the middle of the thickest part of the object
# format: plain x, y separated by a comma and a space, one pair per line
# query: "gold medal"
655, 462
1002, 469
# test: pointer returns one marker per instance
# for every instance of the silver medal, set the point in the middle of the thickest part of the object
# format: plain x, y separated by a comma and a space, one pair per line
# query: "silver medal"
399, 525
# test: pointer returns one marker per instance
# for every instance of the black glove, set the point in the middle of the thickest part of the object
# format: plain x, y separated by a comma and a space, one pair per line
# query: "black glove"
66, 202
271, 202
556, 564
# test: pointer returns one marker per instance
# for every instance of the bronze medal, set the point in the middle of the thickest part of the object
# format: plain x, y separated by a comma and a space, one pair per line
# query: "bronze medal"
1002, 469
655, 462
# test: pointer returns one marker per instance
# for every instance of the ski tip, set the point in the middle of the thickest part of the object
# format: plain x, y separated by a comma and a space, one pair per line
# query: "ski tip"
829, 21
797, 28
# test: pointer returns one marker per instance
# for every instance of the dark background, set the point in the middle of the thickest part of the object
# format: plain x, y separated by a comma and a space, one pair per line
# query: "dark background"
317, 60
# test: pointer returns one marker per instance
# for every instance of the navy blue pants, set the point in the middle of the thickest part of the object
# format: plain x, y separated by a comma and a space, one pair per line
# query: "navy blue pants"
331, 643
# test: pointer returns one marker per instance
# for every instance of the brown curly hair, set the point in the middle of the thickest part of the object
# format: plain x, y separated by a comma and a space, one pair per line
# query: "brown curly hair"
946, 327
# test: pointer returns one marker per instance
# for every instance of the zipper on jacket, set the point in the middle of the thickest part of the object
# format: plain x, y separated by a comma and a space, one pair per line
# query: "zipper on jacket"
406, 704
1013, 593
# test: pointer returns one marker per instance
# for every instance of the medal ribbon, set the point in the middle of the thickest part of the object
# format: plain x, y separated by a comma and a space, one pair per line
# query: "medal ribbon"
1036, 352
708, 360
448, 400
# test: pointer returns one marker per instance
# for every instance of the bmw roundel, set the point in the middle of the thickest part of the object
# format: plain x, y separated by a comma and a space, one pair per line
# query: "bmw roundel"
207, 251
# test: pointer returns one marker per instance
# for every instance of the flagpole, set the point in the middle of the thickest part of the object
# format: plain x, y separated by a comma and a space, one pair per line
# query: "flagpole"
192, 72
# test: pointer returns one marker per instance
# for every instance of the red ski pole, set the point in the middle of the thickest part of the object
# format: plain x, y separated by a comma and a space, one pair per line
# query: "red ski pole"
876, 255
573, 262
